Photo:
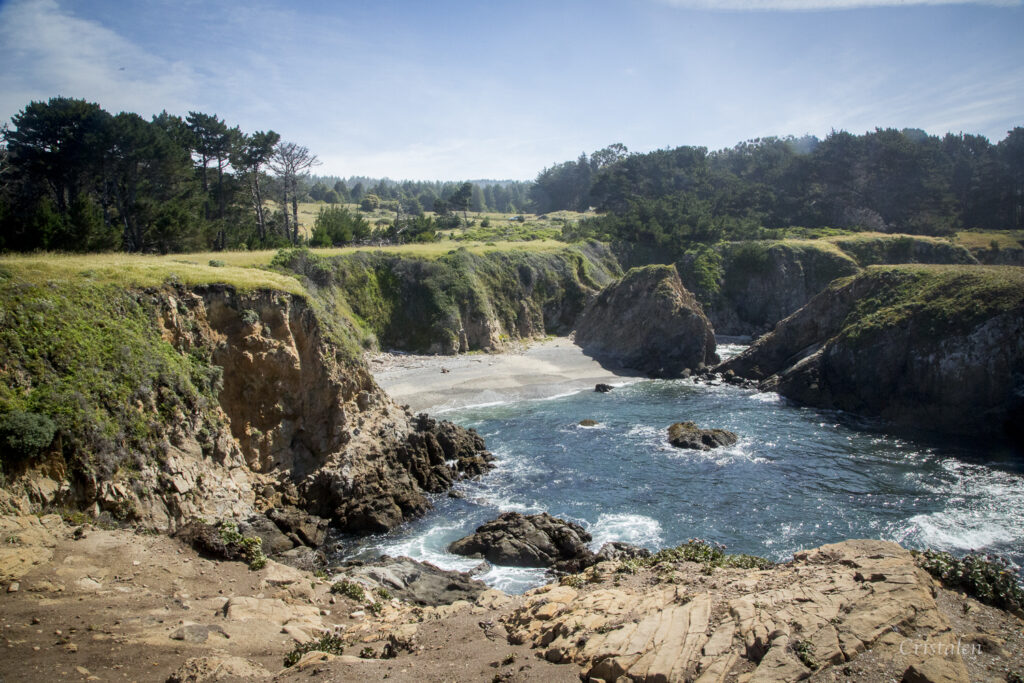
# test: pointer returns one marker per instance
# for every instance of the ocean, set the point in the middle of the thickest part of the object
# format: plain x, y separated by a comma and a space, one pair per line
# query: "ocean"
798, 478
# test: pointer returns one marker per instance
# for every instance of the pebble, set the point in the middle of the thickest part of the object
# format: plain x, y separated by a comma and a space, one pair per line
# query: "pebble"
14, 587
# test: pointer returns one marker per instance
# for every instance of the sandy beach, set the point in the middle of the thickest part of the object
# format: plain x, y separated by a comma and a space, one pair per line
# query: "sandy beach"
539, 369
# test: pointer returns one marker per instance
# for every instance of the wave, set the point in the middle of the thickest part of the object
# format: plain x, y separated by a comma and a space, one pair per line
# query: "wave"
626, 528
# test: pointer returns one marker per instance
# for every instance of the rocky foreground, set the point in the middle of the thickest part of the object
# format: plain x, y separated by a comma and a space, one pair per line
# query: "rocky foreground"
82, 603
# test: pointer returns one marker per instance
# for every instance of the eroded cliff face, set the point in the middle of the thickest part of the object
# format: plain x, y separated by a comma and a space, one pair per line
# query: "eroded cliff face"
938, 348
293, 419
649, 322
462, 301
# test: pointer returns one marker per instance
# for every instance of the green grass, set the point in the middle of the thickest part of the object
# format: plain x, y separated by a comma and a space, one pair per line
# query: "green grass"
942, 299
89, 357
985, 239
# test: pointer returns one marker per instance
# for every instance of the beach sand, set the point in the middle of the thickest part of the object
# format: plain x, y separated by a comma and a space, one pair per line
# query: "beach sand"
539, 369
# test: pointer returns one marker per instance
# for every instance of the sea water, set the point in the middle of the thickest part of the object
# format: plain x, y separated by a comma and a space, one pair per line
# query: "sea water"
799, 477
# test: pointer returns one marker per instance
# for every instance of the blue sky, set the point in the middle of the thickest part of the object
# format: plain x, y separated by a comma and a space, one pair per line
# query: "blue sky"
456, 89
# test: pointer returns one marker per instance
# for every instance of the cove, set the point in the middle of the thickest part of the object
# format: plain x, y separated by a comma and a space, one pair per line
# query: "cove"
798, 478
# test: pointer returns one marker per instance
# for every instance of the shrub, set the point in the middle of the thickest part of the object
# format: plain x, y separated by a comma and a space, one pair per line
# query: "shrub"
329, 643
349, 589
711, 555
217, 263
989, 578
24, 435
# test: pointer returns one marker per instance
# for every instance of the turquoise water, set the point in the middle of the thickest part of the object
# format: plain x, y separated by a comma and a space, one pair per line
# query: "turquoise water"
798, 478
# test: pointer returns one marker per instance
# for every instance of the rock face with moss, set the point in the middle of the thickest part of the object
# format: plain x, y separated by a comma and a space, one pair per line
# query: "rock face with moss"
648, 321
747, 287
173, 403
462, 301
931, 347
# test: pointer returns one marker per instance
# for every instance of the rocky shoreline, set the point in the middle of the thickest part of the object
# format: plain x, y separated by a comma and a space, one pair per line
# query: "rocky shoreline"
857, 610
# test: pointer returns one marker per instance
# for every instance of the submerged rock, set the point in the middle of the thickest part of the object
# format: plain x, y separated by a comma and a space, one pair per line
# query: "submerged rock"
647, 321
689, 435
528, 541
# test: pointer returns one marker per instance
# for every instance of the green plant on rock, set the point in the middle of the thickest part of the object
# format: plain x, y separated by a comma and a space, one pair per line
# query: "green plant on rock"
383, 593
988, 578
349, 589
708, 554
329, 643
251, 546
368, 653
804, 650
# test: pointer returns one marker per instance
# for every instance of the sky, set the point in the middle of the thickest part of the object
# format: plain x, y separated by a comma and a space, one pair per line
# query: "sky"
473, 89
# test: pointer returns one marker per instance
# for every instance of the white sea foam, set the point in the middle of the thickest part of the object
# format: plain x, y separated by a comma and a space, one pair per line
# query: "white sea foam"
626, 528
964, 529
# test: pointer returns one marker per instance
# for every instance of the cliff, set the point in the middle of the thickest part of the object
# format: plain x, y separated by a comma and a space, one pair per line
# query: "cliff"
462, 301
158, 404
933, 347
747, 287
647, 321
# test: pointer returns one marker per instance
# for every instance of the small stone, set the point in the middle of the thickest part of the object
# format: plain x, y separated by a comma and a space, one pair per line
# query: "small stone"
35, 620
14, 587
71, 648
82, 670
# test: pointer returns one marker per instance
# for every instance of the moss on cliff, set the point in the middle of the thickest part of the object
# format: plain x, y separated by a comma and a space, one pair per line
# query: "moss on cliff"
460, 301
90, 358
942, 300
875, 249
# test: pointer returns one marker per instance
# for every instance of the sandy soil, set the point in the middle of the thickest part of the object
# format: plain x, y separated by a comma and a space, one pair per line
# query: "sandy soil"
540, 369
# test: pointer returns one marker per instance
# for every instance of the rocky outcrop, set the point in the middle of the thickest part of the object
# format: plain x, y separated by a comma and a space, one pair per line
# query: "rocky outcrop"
419, 583
746, 287
689, 435
929, 347
260, 403
517, 540
647, 321
827, 608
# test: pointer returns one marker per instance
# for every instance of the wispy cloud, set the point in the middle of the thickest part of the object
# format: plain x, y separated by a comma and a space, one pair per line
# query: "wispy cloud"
58, 53
821, 5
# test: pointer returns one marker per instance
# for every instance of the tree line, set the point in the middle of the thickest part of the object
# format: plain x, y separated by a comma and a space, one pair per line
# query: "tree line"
886, 180
74, 177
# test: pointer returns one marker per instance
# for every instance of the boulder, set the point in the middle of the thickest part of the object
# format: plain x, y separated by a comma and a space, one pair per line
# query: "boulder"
309, 529
274, 540
689, 435
412, 581
528, 541
603, 388
588, 423
617, 551
647, 321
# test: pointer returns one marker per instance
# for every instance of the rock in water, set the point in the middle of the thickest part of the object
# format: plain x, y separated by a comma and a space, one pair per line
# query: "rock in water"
603, 388
528, 541
588, 423
689, 435
647, 321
